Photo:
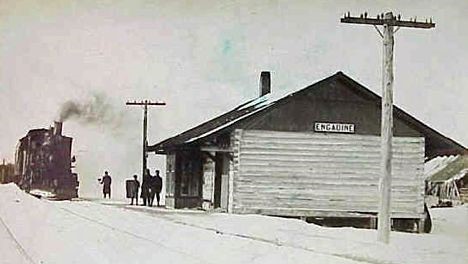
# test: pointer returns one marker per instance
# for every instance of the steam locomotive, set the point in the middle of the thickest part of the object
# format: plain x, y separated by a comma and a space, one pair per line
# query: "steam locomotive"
43, 162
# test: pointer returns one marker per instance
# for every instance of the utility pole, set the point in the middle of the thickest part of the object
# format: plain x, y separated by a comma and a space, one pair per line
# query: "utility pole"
388, 21
145, 105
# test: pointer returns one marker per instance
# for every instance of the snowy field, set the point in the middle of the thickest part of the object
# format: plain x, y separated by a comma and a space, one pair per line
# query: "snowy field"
41, 231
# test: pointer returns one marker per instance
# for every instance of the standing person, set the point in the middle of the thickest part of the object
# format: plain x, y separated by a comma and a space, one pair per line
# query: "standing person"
134, 192
106, 182
145, 188
152, 190
157, 186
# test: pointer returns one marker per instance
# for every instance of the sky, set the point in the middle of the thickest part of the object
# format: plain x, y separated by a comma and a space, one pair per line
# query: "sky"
203, 58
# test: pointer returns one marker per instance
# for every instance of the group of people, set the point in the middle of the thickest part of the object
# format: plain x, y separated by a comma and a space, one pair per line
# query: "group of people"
150, 188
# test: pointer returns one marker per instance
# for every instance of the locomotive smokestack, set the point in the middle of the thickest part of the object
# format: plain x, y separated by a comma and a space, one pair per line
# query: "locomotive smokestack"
57, 128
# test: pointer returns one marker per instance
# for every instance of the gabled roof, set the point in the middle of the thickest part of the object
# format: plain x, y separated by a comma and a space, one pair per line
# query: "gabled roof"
252, 108
457, 168
212, 126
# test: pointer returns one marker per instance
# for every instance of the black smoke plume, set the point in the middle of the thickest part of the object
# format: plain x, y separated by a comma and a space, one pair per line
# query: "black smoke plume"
95, 110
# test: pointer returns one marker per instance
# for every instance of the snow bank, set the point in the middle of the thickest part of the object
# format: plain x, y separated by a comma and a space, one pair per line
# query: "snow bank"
90, 232
42, 193
451, 222
351, 243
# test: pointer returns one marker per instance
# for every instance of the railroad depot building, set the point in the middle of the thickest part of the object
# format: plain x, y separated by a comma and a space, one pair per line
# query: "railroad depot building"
311, 153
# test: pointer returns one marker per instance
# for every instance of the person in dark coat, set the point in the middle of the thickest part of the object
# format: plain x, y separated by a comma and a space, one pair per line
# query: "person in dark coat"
136, 187
145, 188
156, 186
106, 182
152, 190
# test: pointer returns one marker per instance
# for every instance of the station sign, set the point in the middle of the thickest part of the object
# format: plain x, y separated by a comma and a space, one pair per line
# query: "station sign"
334, 127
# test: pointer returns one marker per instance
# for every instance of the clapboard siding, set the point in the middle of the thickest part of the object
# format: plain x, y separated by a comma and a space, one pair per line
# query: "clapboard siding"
297, 173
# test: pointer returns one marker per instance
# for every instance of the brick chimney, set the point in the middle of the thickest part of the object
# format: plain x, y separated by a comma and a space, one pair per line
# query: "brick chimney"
265, 83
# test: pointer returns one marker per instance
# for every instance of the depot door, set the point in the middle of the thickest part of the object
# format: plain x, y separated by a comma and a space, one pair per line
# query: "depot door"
221, 180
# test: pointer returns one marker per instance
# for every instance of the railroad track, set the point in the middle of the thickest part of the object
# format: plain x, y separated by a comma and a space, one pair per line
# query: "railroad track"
134, 235
191, 257
18, 245
260, 239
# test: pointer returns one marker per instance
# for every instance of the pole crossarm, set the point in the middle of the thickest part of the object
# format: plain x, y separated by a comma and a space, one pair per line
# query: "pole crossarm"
395, 21
145, 102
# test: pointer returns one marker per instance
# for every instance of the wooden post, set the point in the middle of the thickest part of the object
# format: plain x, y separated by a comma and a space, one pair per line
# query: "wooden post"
386, 134
421, 222
145, 142
388, 22
373, 223
145, 105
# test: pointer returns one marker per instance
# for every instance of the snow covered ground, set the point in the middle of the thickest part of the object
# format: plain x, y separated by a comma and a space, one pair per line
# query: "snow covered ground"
41, 231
